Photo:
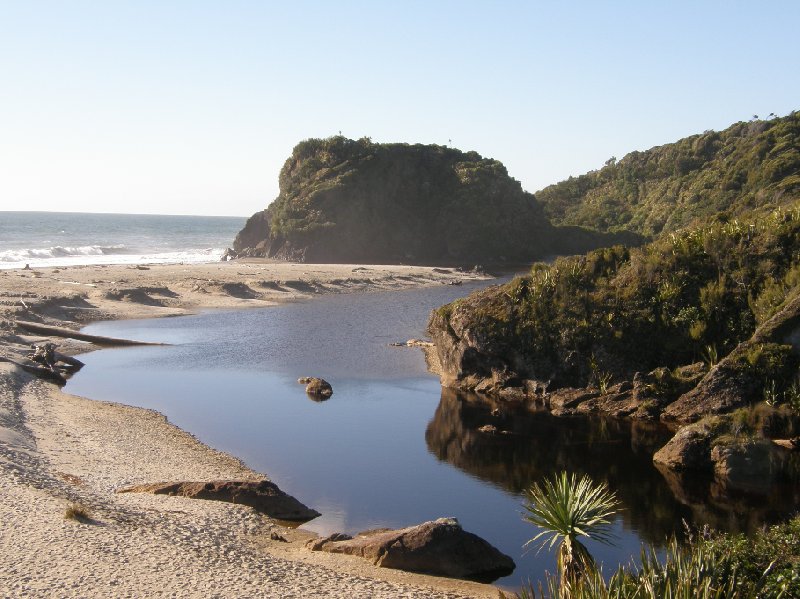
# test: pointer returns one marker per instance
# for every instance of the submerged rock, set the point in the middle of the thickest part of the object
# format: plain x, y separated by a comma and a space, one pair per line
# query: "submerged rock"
439, 547
264, 496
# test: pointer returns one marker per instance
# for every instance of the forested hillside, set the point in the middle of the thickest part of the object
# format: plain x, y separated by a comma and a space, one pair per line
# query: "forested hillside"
746, 166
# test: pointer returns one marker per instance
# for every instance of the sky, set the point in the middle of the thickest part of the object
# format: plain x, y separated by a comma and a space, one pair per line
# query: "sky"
172, 107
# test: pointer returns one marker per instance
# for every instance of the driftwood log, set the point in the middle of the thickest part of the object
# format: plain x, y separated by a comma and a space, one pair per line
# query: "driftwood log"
42, 329
47, 363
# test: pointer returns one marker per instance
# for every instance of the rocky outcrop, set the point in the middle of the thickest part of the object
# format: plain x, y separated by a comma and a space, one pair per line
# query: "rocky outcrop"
346, 201
251, 237
738, 380
725, 388
264, 496
439, 547
356, 202
477, 345
737, 461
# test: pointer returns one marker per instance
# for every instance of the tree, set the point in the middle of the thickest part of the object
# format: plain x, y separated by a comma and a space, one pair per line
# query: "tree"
566, 508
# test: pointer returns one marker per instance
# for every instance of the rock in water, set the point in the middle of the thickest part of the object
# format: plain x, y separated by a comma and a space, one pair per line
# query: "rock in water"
317, 388
264, 496
439, 547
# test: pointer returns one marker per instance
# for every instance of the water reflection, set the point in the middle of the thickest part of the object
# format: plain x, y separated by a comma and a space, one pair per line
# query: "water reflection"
529, 445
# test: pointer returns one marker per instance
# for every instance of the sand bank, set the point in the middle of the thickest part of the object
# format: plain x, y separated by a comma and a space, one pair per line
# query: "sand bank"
57, 450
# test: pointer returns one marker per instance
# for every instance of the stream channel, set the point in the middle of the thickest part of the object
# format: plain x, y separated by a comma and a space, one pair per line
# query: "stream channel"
391, 447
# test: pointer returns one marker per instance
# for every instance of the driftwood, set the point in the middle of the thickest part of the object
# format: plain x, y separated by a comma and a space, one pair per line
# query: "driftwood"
41, 329
40, 371
47, 363
47, 356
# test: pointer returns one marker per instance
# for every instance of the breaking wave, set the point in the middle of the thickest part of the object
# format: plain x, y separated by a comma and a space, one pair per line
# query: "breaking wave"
95, 254
58, 251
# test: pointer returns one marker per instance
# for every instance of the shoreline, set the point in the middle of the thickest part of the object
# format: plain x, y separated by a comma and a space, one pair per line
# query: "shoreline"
57, 449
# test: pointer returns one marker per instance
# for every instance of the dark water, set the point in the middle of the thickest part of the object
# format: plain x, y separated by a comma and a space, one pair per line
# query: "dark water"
390, 448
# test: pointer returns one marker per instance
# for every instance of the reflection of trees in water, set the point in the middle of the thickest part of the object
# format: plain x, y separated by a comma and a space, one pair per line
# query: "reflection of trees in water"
531, 445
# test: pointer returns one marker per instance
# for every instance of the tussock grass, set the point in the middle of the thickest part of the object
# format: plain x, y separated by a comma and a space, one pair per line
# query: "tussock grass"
78, 512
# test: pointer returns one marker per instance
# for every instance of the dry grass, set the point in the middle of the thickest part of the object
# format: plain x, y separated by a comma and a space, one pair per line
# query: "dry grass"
77, 511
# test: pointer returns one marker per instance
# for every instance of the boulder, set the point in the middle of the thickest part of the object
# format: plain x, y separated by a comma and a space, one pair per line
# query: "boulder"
264, 496
316, 387
751, 466
439, 547
689, 449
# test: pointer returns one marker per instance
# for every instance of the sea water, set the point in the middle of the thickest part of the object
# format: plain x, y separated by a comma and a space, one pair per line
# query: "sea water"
42, 239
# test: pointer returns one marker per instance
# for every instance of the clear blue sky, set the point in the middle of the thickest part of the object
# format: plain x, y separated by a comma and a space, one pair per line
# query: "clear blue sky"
192, 107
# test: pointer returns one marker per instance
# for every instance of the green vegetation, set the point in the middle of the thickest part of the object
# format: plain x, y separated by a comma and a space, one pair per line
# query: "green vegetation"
709, 565
747, 166
692, 295
566, 508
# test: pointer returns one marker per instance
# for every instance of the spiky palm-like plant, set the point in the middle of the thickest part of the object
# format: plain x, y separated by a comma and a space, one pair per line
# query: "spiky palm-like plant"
566, 508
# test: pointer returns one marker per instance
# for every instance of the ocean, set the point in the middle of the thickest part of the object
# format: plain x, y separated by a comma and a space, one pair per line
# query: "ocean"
43, 239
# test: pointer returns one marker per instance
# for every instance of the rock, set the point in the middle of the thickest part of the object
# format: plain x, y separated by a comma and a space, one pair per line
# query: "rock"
725, 388
731, 384
751, 466
316, 387
412, 343
689, 449
264, 496
788, 444
440, 547
515, 394
566, 401
318, 544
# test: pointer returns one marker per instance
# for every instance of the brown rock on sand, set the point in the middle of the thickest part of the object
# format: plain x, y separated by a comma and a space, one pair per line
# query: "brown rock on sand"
264, 496
440, 547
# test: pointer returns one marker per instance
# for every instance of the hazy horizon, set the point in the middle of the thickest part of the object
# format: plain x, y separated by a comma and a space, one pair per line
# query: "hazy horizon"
192, 108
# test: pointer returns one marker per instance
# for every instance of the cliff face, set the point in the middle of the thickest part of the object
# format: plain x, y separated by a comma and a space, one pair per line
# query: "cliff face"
356, 201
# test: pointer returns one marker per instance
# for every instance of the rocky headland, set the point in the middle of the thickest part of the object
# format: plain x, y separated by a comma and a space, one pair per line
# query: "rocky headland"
355, 201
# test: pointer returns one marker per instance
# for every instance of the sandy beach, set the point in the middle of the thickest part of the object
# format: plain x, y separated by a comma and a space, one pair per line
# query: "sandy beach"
57, 450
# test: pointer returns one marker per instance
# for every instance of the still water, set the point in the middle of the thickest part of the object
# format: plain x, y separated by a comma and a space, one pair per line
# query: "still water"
391, 448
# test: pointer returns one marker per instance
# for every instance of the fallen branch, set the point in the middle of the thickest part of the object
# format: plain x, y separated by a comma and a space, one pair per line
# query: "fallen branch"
64, 332
40, 371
